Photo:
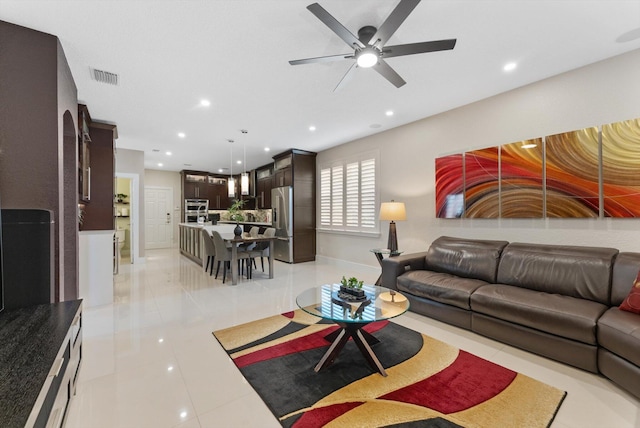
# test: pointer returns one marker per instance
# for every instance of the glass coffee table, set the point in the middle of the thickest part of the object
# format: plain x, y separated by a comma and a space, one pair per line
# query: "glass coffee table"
380, 304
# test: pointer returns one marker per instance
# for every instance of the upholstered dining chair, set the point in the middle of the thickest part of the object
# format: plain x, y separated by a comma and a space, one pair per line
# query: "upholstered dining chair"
223, 254
209, 251
262, 248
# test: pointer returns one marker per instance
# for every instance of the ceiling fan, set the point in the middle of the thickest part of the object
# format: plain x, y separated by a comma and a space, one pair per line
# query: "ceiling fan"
369, 47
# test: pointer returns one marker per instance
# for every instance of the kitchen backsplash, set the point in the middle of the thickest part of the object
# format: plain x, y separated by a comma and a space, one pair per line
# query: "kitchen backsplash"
258, 216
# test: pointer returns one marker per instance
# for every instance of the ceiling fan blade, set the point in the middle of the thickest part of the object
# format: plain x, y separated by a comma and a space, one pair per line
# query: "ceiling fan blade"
416, 48
334, 25
393, 21
346, 78
322, 59
388, 73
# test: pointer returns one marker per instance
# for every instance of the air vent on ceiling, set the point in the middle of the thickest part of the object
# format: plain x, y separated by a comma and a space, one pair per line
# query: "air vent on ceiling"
104, 76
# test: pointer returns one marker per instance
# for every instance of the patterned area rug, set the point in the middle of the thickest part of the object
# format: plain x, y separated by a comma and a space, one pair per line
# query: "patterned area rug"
429, 383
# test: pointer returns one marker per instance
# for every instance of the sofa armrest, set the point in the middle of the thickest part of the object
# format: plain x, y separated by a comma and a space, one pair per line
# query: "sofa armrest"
393, 267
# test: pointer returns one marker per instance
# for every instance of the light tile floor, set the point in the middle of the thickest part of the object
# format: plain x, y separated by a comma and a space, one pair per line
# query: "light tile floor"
150, 360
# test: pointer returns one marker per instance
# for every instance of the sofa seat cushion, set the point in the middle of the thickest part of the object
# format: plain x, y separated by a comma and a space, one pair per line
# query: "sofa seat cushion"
440, 287
564, 316
619, 332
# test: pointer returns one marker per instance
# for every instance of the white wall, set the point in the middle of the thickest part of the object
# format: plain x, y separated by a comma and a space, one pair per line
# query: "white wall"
597, 94
132, 162
170, 179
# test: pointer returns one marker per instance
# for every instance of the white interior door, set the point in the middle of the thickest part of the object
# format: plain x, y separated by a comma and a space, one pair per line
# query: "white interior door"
158, 217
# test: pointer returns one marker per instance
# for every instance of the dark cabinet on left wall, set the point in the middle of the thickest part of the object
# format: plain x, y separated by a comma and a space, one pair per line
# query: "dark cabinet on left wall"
84, 154
98, 166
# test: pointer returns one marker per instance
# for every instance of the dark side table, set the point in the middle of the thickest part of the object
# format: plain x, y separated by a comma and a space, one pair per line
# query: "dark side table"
380, 253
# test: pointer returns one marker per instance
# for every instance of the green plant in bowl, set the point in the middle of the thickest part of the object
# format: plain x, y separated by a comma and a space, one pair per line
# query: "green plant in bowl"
351, 282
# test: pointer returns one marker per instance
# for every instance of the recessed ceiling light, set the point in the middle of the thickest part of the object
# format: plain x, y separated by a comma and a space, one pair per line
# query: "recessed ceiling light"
266, 149
389, 113
168, 153
160, 164
220, 170
160, 340
205, 103
312, 128
187, 164
155, 150
183, 415
375, 126
510, 66
239, 162
181, 134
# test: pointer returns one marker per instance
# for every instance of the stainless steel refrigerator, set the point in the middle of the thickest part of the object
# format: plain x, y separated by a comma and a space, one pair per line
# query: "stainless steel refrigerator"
282, 217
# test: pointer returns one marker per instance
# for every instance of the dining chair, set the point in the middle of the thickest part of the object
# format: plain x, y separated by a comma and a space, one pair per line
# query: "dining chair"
209, 251
262, 248
223, 254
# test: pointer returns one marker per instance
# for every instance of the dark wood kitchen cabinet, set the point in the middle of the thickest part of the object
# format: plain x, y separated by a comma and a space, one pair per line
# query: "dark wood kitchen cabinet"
84, 154
218, 193
98, 208
297, 168
264, 184
194, 185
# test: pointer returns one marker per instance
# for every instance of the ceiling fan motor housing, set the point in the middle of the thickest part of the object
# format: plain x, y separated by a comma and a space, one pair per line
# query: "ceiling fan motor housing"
365, 34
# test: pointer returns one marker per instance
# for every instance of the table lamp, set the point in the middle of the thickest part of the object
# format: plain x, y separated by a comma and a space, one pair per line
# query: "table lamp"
393, 211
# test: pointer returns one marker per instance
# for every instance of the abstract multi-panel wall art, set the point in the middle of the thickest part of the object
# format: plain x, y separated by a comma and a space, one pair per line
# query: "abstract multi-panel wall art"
481, 179
572, 174
586, 173
449, 186
521, 193
621, 169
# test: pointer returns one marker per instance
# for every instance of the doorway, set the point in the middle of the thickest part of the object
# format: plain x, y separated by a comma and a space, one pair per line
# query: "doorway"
134, 213
123, 211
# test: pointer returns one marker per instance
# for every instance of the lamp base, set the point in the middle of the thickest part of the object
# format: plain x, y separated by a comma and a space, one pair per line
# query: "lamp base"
392, 244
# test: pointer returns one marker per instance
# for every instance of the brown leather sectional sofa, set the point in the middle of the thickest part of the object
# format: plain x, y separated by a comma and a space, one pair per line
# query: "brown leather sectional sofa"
557, 301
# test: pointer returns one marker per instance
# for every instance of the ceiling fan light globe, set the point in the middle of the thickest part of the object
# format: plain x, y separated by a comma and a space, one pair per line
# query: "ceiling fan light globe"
367, 59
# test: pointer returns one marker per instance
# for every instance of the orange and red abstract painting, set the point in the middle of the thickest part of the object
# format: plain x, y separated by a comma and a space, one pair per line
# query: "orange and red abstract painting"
482, 186
621, 169
572, 166
449, 187
521, 190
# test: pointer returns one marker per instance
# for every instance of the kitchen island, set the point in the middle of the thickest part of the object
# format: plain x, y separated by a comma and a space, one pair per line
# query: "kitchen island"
191, 244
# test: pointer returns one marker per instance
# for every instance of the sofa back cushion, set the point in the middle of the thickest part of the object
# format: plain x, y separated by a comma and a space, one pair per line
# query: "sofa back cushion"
468, 258
625, 270
582, 272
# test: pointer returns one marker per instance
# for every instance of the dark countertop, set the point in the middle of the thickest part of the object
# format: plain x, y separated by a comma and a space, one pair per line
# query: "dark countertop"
30, 339
249, 223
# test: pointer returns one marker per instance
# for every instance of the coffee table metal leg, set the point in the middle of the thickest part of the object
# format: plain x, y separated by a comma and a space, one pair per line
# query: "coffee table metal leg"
333, 350
366, 351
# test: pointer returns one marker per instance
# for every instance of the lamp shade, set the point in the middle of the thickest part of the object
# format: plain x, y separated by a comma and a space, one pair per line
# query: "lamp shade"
244, 184
231, 186
393, 211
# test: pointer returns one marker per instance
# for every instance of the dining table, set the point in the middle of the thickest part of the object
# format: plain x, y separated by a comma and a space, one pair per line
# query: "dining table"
235, 241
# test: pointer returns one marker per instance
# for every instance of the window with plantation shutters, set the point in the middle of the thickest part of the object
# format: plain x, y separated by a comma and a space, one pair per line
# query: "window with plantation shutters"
348, 195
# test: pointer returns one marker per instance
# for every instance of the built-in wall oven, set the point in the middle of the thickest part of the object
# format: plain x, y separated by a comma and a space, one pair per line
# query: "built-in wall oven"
194, 209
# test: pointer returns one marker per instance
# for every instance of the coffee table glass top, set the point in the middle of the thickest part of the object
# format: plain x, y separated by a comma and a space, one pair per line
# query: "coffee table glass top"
381, 304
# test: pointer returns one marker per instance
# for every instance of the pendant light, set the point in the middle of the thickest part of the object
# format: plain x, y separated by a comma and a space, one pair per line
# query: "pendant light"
231, 184
244, 178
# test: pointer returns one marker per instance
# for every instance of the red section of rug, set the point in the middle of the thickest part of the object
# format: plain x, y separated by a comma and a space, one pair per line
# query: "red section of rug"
322, 416
304, 343
467, 382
